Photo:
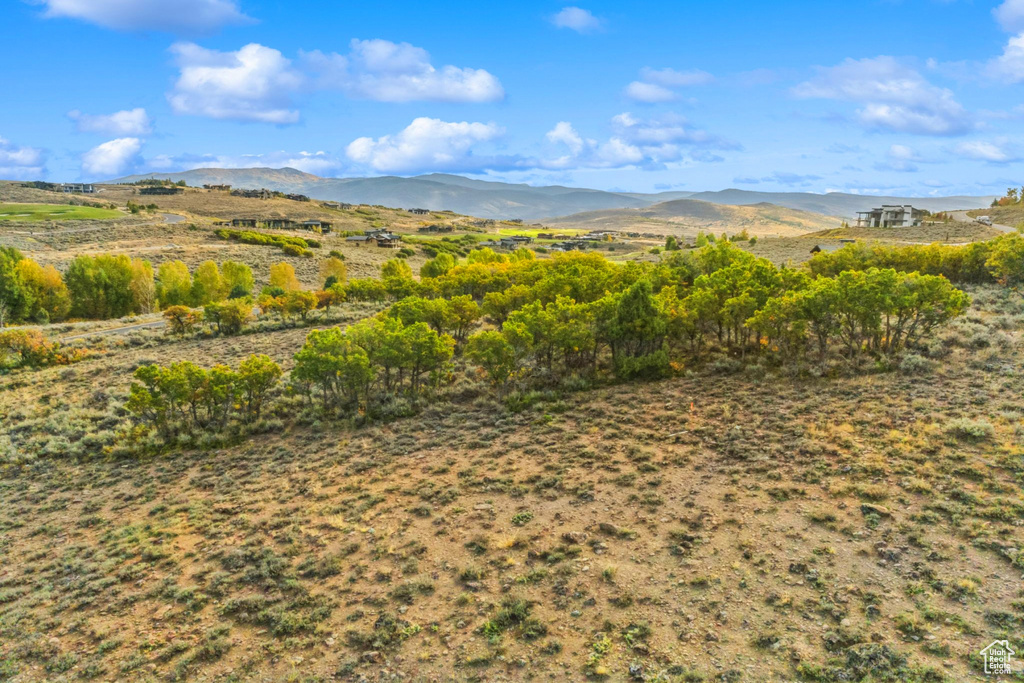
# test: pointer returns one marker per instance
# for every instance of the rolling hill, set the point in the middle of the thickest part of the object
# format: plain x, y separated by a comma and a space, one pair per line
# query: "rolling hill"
687, 216
491, 199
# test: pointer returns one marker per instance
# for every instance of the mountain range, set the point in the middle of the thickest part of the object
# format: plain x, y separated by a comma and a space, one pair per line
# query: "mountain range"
490, 199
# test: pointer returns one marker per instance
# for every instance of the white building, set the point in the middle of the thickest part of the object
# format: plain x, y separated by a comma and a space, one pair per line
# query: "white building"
890, 216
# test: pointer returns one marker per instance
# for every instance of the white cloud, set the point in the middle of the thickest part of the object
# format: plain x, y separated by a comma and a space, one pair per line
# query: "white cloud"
670, 78
318, 163
21, 163
564, 133
900, 158
650, 93
892, 96
1010, 15
252, 84
656, 84
985, 151
579, 20
645, 143
1009, 66
128, 122
399, 72
174, 16
427, 144
111, 158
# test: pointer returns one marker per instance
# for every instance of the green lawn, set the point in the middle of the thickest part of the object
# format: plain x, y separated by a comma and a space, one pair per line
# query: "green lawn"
53, 212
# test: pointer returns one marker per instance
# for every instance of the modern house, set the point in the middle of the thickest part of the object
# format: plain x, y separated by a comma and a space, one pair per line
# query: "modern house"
389, 241
317, 226
890, 216
218, 188
243, 222
76, 188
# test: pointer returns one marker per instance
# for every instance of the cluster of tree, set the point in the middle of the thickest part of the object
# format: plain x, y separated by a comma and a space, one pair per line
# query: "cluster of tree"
574, 312
228, 315
996, 260
293, 246
29, 348
1013, 196
94, 287
176, 286
183, 397
350, 370
139, 208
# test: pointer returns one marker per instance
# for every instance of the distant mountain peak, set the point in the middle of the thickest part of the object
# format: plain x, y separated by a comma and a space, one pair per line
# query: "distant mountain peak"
500, 200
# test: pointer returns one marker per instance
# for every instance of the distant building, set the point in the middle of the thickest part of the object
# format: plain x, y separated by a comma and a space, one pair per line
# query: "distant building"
280, 223
321, 226
243, 222
75, 188
335, 205
890, 216
252, 194
218, 188
389, 240
419, 212
358, 240
297, 197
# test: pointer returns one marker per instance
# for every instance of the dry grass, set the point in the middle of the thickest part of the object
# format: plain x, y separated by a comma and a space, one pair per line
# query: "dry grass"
720, 525
693, 527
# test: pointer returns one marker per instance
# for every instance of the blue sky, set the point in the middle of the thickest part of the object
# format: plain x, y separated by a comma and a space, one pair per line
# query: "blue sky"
916, 97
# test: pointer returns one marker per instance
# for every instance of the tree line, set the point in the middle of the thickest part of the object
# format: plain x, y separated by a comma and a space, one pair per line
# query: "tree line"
526, 322
113, 286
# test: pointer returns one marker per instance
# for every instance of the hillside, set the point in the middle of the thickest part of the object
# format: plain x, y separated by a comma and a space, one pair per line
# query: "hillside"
686, 217
498, 200
744, 517
702, 528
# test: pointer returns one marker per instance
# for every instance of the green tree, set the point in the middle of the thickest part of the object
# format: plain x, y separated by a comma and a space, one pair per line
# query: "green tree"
299, 302
332, 364
51, 301
492, 352
438, 266
207, 284
396, 268
100, 286
229, 316
15, 297
238, 279
257, 376
174, 286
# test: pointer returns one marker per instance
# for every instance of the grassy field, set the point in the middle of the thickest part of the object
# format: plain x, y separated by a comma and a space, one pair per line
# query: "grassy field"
31, 213
713, 527
846, 522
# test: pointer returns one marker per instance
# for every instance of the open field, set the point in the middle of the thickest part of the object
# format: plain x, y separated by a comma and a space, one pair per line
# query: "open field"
31, 213
685, 218
739, 526
849, 520
952, 232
